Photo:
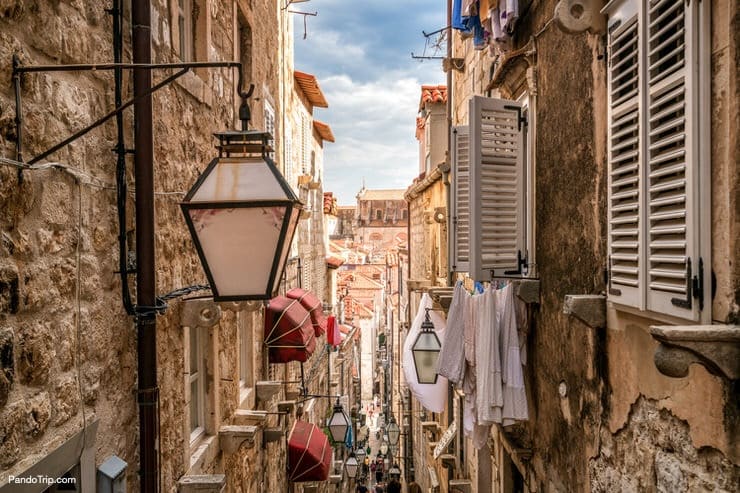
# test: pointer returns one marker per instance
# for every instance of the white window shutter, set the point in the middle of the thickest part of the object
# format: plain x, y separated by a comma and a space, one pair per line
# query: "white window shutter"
497, 189
625, 237
672, 158
460, 201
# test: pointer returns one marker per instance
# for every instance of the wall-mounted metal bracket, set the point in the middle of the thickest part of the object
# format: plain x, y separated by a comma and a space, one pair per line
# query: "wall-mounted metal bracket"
231, 437
200, 312
588, 308
716, 347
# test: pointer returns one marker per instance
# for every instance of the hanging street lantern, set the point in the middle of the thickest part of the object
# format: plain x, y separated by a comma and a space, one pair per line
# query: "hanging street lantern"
393, 449
351, 466
338, 424
394, 432
360, 454
426, 351
395, 471
242, 215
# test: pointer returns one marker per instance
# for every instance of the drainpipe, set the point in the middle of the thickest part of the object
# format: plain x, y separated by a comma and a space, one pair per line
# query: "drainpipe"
446, 175
145, 283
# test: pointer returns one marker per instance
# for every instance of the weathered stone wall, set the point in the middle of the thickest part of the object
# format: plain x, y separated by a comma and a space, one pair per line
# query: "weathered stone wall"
592, 393
61, 298
654, 451
67, 349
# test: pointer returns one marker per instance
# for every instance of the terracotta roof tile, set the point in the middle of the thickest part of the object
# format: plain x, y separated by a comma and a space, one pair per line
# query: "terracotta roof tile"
324, 130
433, 94
310, 87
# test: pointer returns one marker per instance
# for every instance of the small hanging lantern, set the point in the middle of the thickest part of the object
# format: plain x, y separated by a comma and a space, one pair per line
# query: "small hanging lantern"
360, 454
242, 215
426, 351
338, 424
394, 432
351, 466
394, 471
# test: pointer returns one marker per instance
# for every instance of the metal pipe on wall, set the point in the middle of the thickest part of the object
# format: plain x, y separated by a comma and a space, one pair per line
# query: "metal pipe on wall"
148, 394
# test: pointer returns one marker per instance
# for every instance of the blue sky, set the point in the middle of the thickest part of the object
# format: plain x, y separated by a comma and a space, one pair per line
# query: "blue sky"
360, 51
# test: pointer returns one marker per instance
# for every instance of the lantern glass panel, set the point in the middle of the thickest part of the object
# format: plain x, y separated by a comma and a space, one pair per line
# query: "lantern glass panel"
394, 432
239, 179
292, 225
426, 351
351, 466
338, 425
384, 448
240, 259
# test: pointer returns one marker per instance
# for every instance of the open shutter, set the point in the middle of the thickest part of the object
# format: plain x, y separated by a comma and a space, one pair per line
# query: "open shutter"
672, 158
624, 157
460, 202
497, 189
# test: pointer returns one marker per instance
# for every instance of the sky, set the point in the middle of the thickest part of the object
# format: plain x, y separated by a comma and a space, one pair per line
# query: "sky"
360, 52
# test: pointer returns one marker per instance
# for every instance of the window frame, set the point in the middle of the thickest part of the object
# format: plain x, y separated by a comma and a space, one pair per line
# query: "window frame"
197, 342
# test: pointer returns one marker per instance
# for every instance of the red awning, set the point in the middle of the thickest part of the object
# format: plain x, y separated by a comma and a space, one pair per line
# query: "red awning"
289, 333
309, 453
311, 303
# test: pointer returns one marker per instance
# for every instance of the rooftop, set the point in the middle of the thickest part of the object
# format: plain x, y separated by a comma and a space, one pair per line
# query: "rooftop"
310, 87
432, 94
381, 194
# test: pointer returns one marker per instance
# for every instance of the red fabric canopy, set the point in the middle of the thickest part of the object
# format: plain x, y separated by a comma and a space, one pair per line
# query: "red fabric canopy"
311, 303
289, 334
309, 453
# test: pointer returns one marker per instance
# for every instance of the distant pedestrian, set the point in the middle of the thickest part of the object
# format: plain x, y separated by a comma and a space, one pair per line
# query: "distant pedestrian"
379, 488
361, 488
393, 486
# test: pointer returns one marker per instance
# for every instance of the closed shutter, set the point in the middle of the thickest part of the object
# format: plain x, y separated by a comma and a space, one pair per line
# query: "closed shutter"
625, 237
460, 201
497, 188
658, 173
671, 227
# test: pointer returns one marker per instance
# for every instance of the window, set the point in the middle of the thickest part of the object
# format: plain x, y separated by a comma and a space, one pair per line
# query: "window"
196, 378
489, 239
246, 323
288, 166
305, 144
378, 214
270, 124
185, 36
658, 189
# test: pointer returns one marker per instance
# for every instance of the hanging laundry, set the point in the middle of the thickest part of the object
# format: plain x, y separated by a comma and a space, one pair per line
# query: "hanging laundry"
432, 396
489, 394
509, 12
451, 361
515, 396
457, 17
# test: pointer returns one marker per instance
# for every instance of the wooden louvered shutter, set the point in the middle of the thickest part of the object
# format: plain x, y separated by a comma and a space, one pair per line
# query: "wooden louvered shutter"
460, 230
497, 188
671, 158
624, 157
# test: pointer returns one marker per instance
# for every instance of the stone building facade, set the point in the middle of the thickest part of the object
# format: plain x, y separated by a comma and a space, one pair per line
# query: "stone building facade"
67, 347
622, 395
